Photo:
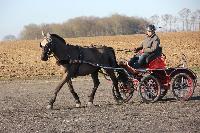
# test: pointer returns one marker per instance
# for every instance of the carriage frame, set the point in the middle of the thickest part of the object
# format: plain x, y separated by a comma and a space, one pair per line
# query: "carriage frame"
153, 82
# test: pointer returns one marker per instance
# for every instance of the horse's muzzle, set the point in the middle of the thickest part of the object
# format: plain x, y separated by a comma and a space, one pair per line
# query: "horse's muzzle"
44, 57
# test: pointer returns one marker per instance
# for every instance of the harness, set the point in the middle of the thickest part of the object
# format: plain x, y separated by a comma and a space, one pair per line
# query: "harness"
70, 61
80, 60
80, 57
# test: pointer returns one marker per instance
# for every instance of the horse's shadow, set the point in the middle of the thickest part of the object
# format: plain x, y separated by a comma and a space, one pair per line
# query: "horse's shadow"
85, 106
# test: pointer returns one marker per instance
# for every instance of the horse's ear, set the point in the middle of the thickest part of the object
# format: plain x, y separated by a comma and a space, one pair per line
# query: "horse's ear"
48, 34
43, 34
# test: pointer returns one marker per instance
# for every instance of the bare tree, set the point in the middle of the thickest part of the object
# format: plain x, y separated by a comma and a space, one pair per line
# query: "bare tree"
88, 26
57, 29
154, 19
174, 21
197, 16
184, 14
192, 21
165, 19
31, 31
46, 28
170, 21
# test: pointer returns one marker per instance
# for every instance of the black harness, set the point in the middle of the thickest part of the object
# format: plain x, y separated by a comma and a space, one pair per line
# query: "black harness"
70, 61
80, 58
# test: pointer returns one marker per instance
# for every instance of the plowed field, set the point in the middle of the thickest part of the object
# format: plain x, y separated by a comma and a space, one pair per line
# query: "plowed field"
21, 59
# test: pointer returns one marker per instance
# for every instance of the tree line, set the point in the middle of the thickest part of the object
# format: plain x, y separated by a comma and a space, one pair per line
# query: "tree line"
185, 20
88, 26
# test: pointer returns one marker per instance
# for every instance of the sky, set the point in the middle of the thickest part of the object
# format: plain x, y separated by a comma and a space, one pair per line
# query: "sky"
15, 14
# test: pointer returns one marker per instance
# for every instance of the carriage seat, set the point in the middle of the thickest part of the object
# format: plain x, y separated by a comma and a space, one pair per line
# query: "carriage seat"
156, 60
157, 63
153, 56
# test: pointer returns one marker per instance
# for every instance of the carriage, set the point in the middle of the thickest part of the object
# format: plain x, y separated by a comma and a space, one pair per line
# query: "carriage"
156, 79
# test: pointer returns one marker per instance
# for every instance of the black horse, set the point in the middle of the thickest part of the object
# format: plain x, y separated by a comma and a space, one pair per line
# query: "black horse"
72, 59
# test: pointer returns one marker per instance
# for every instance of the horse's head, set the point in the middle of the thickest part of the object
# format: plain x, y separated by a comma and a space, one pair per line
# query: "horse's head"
47, 46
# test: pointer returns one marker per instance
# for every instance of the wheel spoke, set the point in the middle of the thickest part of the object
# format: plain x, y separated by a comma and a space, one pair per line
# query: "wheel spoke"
125, 90
182, 86
149, 89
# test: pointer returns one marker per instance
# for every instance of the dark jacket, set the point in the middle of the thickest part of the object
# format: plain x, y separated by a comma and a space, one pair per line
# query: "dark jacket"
150, 45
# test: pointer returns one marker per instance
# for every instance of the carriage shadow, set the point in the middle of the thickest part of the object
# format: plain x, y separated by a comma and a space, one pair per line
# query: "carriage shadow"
167, 100
164, 100
195, 98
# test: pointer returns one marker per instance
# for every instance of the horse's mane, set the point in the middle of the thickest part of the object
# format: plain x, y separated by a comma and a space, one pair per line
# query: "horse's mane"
60, 38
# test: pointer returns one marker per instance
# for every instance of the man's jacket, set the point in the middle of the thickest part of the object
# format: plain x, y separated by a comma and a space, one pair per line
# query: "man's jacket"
150, 45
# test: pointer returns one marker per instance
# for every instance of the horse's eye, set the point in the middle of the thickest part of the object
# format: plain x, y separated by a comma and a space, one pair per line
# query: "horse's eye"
49, 39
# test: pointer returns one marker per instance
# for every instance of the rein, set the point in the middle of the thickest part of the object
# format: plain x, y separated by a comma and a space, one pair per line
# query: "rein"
94, 65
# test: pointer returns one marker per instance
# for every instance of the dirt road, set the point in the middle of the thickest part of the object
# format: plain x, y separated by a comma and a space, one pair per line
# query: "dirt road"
23, 109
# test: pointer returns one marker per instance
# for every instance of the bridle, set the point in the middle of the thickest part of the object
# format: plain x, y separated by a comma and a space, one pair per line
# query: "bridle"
48, 48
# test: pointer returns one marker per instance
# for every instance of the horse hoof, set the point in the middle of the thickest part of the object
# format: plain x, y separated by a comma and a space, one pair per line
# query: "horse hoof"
49, 107
120, 102
78, 105
90, 104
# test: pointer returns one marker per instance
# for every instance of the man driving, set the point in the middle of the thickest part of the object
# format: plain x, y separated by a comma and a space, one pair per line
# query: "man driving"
149, 49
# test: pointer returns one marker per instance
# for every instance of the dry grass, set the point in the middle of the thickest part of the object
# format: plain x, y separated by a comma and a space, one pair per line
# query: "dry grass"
21, 59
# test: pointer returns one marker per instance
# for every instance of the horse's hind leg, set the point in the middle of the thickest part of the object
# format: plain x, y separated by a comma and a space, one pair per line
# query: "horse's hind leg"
115, 83
96, 84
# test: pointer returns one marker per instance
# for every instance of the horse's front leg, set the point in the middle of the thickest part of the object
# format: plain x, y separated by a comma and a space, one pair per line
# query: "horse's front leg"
66, 78
71, 88
59, 86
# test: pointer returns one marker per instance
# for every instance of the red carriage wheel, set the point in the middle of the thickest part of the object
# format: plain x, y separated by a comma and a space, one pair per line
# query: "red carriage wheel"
125, 90
182, 86
149, 89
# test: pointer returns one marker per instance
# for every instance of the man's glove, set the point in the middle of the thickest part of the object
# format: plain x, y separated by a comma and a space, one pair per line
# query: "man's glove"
135, 50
